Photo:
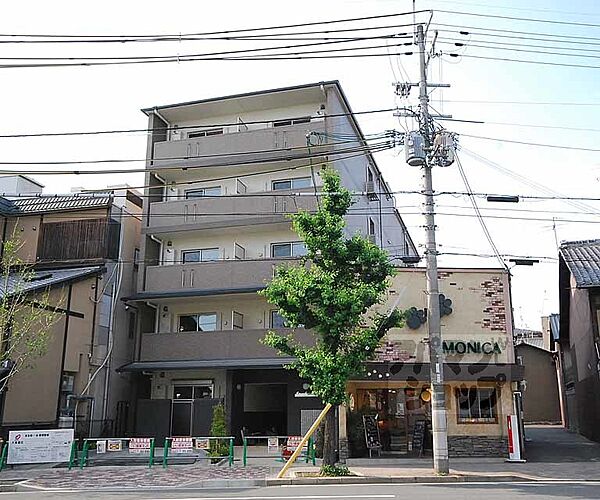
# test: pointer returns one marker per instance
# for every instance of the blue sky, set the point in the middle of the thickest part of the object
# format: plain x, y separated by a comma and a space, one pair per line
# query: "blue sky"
46, 100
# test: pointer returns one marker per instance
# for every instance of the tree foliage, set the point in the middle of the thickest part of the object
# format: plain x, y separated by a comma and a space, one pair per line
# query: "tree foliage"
26, 319
331, 294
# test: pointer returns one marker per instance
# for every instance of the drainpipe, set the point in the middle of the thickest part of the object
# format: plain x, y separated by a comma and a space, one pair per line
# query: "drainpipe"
64, 350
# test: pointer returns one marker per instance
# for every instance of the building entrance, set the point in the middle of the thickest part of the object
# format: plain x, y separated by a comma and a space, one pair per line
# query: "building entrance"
397, 411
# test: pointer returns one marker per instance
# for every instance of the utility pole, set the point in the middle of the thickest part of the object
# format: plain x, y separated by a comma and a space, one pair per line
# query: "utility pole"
436, 354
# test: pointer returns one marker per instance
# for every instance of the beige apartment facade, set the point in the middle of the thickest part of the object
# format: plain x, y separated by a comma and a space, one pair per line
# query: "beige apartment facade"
223, 176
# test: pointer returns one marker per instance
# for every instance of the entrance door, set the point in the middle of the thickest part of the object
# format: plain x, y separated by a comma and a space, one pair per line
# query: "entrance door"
181, 417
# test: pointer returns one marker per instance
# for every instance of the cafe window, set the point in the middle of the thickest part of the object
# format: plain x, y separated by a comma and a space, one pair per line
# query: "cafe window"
200, 255
202, 322
292, 249
477, 405
202, 192
297, 183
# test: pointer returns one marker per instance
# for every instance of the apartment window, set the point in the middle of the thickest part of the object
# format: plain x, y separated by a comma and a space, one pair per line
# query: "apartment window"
202, 322
297, 183
477, 405
200, 255
291, 121
237, 320
199, 391
293, 249
277, 320
202, 192
205, 133
371, 227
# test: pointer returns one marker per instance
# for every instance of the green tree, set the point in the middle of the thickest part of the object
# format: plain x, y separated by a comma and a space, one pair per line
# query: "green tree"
218, 427
331, 294
26, 318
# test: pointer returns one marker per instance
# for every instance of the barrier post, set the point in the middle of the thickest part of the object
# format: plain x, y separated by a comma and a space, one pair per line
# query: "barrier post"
166, 452
84, 454
72, 456
230, 452
3, 456
245, 452
151, 461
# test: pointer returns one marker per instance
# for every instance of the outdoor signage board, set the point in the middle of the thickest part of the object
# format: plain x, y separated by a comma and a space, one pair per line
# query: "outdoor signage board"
114, 445
273, 446
43, 446
139, 446
182, 445
372, 438
202, 443
101, 447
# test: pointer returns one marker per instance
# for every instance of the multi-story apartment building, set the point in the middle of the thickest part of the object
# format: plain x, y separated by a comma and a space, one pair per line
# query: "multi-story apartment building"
222, 176
82, 247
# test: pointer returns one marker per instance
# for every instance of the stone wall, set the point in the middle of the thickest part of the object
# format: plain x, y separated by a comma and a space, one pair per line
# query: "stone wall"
477, 446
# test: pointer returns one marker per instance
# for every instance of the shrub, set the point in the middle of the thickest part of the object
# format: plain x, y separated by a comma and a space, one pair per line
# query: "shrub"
334, 471
218, 427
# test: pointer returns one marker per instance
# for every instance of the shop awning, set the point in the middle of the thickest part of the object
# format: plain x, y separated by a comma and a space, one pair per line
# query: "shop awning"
190, 292
156, 366
453, 372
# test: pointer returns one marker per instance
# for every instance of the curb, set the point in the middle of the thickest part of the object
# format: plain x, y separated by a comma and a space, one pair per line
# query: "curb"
396, 479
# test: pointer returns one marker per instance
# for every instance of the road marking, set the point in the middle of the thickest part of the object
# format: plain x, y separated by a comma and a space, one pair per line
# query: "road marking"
264, 497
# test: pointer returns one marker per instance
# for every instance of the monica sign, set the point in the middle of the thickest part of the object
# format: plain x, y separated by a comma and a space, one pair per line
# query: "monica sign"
460, 347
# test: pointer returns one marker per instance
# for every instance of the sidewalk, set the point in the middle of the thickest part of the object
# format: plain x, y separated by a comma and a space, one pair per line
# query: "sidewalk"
555, 454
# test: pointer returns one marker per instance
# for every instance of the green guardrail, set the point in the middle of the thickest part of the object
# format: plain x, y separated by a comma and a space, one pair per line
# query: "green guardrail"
309, 455
112, 445
187, 446
3, 455
73, 455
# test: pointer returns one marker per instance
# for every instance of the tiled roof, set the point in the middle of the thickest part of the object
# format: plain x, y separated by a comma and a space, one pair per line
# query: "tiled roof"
583, 260
6, 206
43, 279
60, 203
532, 341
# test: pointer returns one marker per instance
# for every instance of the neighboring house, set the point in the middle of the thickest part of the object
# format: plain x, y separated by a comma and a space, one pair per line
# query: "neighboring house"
541, 403
83, 247
579, 339
480, 373
230, 170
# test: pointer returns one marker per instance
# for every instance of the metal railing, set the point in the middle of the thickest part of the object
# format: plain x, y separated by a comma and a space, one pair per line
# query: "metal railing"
109, 446
203, 447
278, 450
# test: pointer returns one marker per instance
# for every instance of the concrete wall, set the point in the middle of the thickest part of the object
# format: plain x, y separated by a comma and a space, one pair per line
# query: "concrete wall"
540, 398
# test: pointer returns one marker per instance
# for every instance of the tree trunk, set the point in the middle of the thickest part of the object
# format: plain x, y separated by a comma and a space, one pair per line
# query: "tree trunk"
329, 438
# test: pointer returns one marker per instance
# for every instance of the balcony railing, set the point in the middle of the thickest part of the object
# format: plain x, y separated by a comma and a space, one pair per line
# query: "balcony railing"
249, 146
223, 274
215, 212
222, 344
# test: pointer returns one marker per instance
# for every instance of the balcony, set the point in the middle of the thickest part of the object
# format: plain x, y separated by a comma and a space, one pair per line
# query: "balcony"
206, 276
252, 146
210, 213
223, 344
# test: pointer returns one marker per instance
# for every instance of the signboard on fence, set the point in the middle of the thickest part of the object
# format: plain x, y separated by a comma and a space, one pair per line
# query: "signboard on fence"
202, 443
28, 447
293, 442
114, 445
100, 447
273, 446
140, 446
182, 445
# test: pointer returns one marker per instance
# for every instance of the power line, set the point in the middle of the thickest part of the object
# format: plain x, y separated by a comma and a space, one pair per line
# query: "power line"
525, 61
225, 32
512, 18
555, 146
547, 38
526, 103
470, 42
212, 125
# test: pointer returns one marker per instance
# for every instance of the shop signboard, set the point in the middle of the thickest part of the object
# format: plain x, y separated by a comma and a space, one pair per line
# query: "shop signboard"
43, 446
202, 443
100, 447
372, 438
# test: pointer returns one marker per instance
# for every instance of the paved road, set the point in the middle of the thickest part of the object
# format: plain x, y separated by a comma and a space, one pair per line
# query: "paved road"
489, 491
